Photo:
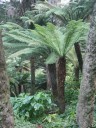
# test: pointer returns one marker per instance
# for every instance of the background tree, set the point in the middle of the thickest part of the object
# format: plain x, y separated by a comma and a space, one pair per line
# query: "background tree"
59, 47
6, 114
26, 5
85, 105
78, 9
32, 63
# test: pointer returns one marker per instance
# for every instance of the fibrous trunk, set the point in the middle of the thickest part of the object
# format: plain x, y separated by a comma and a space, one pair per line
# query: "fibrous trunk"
85, 106
32, 62
51, 68
61, 74
6, 115
79, 55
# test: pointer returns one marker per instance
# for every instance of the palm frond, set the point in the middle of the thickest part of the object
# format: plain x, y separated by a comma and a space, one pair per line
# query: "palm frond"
51, 37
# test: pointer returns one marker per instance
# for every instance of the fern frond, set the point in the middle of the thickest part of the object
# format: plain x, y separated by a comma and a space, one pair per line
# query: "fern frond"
23, 51
51, 37
15, 45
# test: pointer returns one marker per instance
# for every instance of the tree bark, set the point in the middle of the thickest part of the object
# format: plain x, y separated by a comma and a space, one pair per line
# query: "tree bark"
85, 106
61, 74
6, 115
32, 62
52, 81
79, 55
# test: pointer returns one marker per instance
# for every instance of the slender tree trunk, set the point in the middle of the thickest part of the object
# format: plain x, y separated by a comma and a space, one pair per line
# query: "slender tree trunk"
52, 81
19, 88
85, 106
79, 55
6, 115
61, 74
32, 62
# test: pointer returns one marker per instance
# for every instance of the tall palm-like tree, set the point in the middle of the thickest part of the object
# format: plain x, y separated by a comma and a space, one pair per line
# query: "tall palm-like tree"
59, 42
32, 62
6, 115
77, 9
51, 77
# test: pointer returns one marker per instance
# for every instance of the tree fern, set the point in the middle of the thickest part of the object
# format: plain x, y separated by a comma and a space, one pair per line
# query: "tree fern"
51, 37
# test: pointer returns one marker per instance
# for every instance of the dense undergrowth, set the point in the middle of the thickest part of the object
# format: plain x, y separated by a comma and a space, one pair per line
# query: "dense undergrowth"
39, 111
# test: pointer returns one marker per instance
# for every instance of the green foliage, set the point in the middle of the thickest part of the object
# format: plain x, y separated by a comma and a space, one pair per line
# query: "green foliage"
37, 15
44, 12
53, 121
40, 77
69, 117
41, 103
31, 107
2, 13
18, 73
71, 92
72, 57
21, 123
66, 120
50, 37
74, 11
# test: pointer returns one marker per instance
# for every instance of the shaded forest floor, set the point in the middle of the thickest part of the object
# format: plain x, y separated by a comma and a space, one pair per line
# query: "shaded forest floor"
66, 120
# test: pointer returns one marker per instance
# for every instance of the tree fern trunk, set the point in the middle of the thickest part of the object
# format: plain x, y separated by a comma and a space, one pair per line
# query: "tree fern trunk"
19, 88
32, 62
61, 74
85, 106
52, 79
79, 55
6, 115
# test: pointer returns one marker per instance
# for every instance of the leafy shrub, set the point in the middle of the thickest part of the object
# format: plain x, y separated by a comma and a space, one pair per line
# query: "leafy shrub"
40, 76
40, 79
21, 123
32, 106
71, 94
69, 116
18, 75
53, 121
66, 120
